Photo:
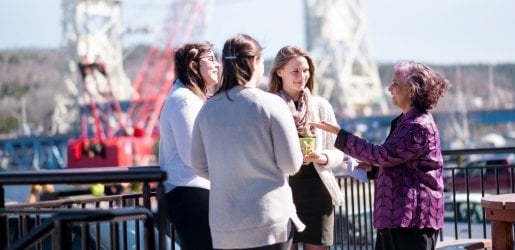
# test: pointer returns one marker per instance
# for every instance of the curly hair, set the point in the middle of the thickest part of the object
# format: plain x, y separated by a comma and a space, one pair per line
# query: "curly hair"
427, 84
281, 59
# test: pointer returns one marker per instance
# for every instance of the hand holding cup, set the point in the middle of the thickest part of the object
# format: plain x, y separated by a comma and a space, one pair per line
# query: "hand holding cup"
307, 145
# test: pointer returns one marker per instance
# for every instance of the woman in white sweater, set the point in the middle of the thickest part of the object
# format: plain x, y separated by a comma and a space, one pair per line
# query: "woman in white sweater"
187, 195
245, 145
315, 190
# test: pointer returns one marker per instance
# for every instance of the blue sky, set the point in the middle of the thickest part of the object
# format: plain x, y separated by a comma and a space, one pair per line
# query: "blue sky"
432, 31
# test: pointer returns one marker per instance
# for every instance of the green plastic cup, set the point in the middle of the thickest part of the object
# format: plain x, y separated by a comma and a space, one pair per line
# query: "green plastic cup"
307, 145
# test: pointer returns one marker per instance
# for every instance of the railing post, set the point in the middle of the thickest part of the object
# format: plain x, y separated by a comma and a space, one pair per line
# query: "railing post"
3, 220
161, 215
61, 236
149, 233
146, 196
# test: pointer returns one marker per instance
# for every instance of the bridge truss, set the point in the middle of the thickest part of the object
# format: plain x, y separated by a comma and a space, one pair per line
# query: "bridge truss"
347, 73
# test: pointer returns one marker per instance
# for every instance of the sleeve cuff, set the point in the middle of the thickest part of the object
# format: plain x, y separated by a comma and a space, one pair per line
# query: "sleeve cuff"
334, 158
341, 139
372, 174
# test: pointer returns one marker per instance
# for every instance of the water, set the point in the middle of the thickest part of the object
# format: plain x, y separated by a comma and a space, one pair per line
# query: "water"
20, 193
16, 194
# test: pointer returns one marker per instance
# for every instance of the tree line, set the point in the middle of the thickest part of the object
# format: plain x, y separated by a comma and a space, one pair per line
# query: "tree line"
30, 80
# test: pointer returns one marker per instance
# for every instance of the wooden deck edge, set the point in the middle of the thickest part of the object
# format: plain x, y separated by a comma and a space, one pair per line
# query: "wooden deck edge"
468, 244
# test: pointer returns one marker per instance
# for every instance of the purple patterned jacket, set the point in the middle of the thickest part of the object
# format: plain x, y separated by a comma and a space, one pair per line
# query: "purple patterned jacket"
409, 181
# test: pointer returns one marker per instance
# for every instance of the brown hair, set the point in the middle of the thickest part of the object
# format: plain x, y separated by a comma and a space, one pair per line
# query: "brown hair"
237, 60
190, 77
281, 59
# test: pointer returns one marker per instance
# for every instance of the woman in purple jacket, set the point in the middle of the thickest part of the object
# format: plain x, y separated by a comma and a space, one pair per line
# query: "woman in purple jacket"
409, 201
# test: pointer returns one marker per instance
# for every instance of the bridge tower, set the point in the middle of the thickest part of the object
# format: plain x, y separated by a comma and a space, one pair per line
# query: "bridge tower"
92, 41
347, 75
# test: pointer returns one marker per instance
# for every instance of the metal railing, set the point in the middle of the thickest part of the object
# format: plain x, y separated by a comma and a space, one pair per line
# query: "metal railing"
62, 223
105, 208
464, 189
353, 220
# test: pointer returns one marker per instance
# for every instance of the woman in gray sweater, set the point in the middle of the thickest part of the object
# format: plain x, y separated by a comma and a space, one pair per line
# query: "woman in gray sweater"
245, 145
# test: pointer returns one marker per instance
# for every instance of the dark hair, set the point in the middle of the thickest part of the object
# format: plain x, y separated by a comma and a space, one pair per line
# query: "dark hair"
428, 85
281, 59
190, 76
238, 61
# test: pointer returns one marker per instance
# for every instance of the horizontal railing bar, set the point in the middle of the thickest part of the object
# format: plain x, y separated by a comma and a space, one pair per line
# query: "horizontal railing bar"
83, 176
71, 201
471, 151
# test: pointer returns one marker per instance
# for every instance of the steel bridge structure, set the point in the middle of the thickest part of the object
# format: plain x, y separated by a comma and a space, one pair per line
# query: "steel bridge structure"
50, 152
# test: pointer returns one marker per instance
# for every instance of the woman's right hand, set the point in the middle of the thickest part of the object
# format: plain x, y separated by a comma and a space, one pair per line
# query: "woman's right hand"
364, 166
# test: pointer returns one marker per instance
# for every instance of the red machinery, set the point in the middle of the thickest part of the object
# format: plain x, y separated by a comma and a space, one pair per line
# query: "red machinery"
114, 134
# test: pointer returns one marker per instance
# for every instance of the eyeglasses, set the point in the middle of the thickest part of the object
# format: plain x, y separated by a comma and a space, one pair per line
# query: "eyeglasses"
210, 58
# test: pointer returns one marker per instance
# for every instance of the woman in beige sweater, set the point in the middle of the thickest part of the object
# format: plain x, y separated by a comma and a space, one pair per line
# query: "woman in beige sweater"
314, 187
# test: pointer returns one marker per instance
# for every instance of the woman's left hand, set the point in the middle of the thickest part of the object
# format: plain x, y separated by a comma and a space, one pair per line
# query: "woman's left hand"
364, 166
320, 159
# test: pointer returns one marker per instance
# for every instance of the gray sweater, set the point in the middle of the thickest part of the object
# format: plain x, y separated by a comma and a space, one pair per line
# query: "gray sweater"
247, 147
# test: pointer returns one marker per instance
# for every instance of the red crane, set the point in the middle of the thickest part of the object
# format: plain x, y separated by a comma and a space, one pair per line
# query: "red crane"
126, 133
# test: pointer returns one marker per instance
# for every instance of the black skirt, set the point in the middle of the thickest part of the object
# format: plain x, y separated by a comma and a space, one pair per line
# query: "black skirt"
314, 207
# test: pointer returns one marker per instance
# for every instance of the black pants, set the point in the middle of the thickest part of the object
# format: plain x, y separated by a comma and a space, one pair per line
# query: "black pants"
188, 210
406, 239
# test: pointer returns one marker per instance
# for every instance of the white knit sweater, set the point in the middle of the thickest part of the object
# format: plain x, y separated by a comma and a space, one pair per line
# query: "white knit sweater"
176, 125
322, 111
247, 147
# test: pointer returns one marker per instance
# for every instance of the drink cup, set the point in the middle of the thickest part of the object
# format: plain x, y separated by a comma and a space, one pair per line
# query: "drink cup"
307, 145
